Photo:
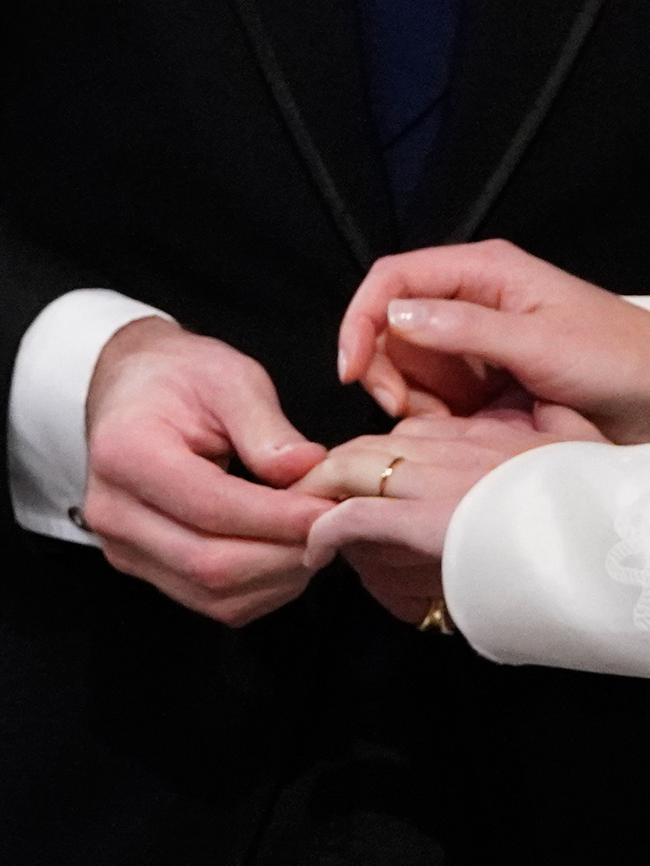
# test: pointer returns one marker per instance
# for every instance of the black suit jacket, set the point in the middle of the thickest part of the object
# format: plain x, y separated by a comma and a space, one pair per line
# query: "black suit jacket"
217, 159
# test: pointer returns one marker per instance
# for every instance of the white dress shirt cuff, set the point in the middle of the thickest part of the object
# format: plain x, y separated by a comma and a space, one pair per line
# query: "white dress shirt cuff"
547, 559
46, 435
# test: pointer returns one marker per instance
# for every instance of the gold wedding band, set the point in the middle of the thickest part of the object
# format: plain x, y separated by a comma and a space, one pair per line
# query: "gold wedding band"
385, 475
437, 619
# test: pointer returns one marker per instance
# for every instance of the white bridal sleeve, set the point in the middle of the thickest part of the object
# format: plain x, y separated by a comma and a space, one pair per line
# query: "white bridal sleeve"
547, 559
46, 436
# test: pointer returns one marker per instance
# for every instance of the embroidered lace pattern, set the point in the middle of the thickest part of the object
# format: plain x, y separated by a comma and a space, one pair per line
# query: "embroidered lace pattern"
628, 561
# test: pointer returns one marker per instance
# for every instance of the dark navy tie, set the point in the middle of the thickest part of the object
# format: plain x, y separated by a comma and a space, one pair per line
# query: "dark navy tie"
408, 47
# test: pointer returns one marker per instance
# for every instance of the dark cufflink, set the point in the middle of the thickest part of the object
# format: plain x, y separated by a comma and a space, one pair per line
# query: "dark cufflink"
76, 515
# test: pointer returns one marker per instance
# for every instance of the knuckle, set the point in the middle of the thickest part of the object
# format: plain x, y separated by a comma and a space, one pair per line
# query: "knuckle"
340, 469
116, 558
249, 373
383, 265
254, 369
409, 426
115, 451
331, 467
412, 422
214, 568
204, 512
199, 567
485, 428
496, 248
367, 441
242, 614
105, 451
360, 442
100, 515
294, 590
234, 618
336, 453
350, 512
462, 316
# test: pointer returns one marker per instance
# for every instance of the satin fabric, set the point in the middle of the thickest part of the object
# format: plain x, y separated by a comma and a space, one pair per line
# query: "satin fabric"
547, 560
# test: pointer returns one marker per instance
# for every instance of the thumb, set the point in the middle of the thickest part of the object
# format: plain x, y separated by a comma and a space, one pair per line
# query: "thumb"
264, 439
504, 339
564, 422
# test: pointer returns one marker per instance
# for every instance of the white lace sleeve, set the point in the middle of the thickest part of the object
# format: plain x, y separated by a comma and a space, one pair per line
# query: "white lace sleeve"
628, 561
547, 559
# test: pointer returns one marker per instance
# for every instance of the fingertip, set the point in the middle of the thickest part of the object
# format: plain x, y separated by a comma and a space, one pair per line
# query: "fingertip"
345, 352
356, 348
318, 553
564, 421
386, 399
386, 385
423, 403
317, 559
289, 462
547, 416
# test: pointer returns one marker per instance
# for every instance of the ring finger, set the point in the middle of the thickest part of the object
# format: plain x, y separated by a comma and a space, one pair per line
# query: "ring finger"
380, 473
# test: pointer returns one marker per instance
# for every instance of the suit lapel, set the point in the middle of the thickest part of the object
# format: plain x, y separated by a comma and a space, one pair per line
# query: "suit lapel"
310, 54
512, 60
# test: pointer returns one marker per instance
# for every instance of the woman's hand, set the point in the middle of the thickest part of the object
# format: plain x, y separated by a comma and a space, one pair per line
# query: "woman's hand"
492, 304
395, 542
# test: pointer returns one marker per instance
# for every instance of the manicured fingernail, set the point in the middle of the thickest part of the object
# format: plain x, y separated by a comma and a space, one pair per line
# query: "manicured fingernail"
342, 364
407, 315
386, 400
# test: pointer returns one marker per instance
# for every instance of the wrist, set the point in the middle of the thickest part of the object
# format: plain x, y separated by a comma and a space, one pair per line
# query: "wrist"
134, 338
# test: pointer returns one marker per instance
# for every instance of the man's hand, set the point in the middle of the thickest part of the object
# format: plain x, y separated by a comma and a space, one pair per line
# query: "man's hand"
395, 542
165, 410
424, 320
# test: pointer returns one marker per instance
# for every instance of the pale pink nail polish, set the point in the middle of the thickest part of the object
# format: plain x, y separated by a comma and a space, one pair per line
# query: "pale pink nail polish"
386, 400
342, 364
407, 315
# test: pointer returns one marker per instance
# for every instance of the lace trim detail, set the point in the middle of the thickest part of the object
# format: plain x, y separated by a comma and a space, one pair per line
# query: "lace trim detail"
628, 561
